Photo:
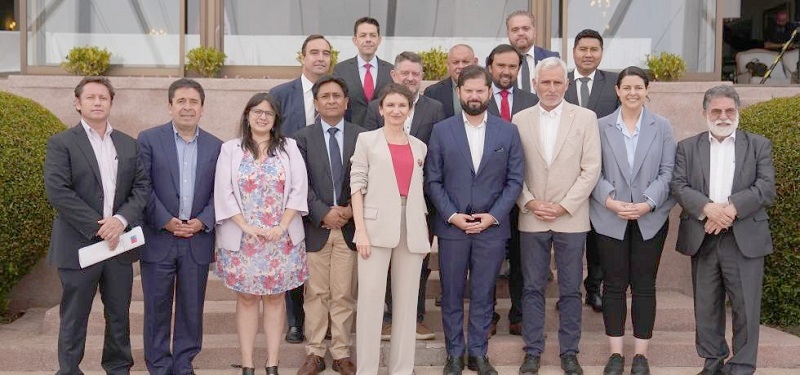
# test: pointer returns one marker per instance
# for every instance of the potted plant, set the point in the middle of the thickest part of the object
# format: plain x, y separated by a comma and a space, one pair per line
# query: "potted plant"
666, 66
206, 61
434, 63
87, 61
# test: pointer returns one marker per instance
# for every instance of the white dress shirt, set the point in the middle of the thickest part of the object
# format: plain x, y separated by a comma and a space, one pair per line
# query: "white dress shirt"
578, 84
548, 127
362, 71
410, 118
498, 98
308, 99
476, 136
723, 163
107, 161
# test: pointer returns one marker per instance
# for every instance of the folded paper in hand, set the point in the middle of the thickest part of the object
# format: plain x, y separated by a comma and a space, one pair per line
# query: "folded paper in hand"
99, 252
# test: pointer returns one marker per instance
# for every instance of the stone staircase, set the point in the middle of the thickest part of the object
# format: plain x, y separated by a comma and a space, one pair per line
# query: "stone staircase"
30, 343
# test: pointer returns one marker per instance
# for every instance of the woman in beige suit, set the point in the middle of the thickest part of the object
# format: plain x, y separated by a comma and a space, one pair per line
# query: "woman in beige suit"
389, 212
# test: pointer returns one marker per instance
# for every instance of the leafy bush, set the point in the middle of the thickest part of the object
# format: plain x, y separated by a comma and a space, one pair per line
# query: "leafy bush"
25, 216
87, 61
334, 58
779, 120
666, 66
206, 61
434, 64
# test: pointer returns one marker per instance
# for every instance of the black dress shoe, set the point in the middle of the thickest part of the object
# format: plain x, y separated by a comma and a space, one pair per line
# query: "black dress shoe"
294, 335
570, 365
595, 301
640, 366
454, 366
272, 370
615, 365
530, 366
481, 365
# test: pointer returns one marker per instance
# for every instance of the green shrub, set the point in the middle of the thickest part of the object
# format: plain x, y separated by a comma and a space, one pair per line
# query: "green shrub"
206, 61
779, 120
87, 61
334, 58
666, 66
25, 216
434, 64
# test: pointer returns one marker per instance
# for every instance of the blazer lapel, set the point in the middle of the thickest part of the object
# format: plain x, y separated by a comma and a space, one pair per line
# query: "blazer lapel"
319, 143
460, 138
597, 88
536, 133
358, 91
704, 150
567, 117
202, 154
740, 152
171, 153
419, 114
647, 133
122, 157
488, 144
88, 152
617, 143
571, 95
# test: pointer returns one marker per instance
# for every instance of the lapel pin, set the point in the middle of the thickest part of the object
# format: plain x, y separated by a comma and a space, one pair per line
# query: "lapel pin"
419, 162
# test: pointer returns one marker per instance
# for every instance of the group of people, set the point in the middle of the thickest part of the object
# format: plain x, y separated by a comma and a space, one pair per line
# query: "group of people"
328, 201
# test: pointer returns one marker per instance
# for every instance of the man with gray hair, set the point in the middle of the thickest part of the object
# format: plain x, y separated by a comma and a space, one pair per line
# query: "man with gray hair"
724, 180
562, 165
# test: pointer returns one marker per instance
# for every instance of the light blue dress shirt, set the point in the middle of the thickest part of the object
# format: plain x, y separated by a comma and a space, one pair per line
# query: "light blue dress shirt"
187, 167
339, 139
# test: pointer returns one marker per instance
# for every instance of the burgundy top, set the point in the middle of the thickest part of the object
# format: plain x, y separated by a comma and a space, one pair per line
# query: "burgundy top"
403, 162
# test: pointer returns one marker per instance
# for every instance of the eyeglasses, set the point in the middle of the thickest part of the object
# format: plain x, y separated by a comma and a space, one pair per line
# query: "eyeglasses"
729, 112
258, 113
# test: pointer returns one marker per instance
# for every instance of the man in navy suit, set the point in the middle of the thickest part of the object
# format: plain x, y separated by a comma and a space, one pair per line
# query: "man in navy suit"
599, 94
444, 91
180, 159
365, 74
474, 173
521, 30
296, 101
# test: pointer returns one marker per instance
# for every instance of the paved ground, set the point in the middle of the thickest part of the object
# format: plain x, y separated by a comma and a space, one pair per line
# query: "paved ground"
504, 370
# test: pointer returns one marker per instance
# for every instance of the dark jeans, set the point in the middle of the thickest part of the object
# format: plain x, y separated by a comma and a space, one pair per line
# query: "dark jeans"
423, 280
632, 261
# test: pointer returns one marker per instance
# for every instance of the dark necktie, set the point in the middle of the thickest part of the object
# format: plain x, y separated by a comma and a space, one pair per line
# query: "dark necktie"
526, 74
336, 162
505, 108
584, 91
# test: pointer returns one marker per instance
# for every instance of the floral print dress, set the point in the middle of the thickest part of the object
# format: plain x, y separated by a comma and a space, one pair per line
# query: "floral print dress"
261, 267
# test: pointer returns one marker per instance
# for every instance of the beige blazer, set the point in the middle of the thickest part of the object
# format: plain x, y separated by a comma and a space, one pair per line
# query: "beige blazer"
372, 172
570, 178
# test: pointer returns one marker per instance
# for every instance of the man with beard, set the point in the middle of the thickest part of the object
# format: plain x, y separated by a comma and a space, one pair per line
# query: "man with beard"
521, 31
444, 91
473, 175
503, 64
724, 180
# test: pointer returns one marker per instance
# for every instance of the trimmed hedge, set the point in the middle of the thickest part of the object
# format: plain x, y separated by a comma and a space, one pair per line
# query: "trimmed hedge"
25, 216
779, 120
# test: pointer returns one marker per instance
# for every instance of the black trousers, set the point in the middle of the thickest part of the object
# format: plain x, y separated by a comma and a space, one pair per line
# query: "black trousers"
632, 262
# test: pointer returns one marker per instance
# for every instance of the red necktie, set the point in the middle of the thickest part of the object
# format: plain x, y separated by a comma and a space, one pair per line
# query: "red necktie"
369, 86
505, 109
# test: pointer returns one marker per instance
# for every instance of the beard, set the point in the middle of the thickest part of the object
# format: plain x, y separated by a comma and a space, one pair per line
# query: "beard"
722, 131
474, 111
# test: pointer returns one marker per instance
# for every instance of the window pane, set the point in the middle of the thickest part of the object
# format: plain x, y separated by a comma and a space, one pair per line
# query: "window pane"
9, 36
261, 32
137, 33
633, 29
192, 24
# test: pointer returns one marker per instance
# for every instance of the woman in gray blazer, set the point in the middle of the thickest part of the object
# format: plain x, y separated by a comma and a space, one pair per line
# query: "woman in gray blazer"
629, 210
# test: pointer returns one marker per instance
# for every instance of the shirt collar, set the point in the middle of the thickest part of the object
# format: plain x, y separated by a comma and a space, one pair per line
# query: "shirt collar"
307, 84
496, 90
467, 123
178, 135
339, 125
638, 122
373, 62
732, 137
555, 112
90, 131
578, 76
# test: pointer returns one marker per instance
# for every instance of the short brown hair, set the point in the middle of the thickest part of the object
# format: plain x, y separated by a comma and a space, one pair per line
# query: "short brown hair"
94, 79
521, 13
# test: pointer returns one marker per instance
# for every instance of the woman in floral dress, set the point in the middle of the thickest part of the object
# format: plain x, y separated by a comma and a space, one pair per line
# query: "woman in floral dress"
260, 194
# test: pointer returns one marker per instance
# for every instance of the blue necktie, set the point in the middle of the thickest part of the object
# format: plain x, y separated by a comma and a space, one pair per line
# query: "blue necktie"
336, 162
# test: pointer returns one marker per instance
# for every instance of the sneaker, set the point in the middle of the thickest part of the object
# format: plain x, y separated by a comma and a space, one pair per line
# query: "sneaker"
570, 365
386, 331
639, 366
423, 332
615, 365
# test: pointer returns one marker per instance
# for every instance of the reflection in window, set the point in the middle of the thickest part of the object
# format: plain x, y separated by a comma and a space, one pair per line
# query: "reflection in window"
270, 33
138, 33
633, 29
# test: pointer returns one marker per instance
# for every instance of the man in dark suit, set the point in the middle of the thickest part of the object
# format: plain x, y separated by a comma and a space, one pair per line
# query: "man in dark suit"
180, 159
95, 183
725, 229
423, 115
503, 64
327, 146
295, 98
365, 74
474, 172
596, 88
521, 30
297, 111
444, 91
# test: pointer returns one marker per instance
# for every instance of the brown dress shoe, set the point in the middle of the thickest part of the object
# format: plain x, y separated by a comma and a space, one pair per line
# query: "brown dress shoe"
313, 365
344, 366
515, 329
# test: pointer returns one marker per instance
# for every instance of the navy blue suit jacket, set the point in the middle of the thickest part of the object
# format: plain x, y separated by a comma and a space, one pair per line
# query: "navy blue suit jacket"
293, 110
453, 186
159, 157
540, 53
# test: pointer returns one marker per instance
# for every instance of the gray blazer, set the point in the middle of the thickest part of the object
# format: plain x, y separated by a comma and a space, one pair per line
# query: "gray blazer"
348, 71
602, 99
752, 192
652, 171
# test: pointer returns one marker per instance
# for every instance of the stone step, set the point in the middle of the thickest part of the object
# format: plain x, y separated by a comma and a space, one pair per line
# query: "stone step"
672, 349
436, 370
675, 313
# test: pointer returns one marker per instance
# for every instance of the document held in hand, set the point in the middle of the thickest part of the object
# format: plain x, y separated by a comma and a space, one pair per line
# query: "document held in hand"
99, 252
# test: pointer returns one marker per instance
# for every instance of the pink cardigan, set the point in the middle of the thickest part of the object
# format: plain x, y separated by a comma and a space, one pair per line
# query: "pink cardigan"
227, 200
